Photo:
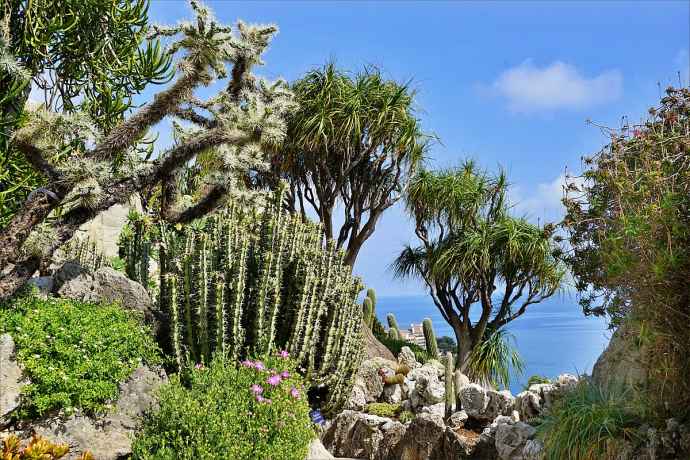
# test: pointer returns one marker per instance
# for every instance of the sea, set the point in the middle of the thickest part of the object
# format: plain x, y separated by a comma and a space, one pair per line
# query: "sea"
553, 337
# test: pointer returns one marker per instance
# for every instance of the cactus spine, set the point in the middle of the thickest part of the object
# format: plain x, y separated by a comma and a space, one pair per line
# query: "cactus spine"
450, 394
251, 281
430, 338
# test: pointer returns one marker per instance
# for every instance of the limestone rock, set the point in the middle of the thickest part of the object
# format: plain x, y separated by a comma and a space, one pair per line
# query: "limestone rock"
368, 385
406, 357
374, 348
528, 405
11, 380
427, 389
318, 452
474, 400
108, 437
438, 409
621, 361
460, 380
458, 419
357, 399
511, 439
533, 450
392, 393
358, 435
424, 438
393, 433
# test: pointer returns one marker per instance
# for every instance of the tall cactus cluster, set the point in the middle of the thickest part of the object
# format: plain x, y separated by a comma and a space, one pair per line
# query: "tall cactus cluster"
249, 282
393, 328
135, 248
430, 338
369, 308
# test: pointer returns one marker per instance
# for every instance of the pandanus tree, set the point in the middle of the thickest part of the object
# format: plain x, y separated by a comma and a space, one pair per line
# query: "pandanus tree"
354, 142
482, 266
248, 114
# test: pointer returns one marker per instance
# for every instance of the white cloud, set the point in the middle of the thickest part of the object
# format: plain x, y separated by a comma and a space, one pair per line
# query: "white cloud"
543, 203
529, 88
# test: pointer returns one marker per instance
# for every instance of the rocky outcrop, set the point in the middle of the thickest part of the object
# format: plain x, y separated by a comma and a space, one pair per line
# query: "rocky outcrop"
318, 452
358, 435
11, 380
621, 363
368, 385
406, 357
511, 439
424, 438
539, 398
108, 437
374, 348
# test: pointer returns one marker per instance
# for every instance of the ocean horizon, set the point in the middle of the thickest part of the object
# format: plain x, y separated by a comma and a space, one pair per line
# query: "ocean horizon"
553, 337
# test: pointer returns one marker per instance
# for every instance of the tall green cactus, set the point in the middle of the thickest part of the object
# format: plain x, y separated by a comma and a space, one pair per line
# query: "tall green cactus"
368, 312
135, 248
450, 394
253, 281
392, 322
430, 338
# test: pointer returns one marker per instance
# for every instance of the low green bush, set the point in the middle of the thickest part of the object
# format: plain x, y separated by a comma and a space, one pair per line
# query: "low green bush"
74, 353
384, 409
256, 410
395, 346
534, 380
587, 424
406, 416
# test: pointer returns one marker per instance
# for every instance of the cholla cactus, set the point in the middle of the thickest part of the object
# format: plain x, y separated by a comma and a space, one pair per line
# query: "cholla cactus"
430, 338
252, 281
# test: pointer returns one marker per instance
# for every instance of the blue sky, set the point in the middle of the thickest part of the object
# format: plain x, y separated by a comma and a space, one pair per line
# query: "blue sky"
508, 83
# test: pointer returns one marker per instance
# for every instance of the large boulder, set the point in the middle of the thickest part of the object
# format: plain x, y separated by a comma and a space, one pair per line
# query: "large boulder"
372, 346
427, 389
424, 438
11, 380
104, 285
368, 384
108, 437
474, 400
621, 363
318, 452
528, 405
358, 435
406, 357
511, 439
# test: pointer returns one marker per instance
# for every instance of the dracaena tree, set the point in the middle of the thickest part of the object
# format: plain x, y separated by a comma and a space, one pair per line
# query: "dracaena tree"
473, 255
248, 114
352, 146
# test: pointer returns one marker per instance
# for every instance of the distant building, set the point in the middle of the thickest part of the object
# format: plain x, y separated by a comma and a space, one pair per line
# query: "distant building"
416, 335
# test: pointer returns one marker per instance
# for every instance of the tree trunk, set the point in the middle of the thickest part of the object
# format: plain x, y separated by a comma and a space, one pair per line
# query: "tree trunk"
464, 347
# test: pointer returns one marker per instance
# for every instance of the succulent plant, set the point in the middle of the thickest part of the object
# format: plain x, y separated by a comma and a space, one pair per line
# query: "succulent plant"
430, 338
450, 393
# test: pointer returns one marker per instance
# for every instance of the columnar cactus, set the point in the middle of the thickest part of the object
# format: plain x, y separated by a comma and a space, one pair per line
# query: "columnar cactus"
253, 281
392, 322
430, 338
368, 312
450, 393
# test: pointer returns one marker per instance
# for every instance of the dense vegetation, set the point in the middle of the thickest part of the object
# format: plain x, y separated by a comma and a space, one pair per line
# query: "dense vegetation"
255, 411
75, 354
628, 223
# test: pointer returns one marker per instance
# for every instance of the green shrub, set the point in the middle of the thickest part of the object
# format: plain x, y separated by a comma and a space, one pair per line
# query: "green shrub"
396, 345
586, 424
384, 409
406, 416
536, 379
74, 353
221, 414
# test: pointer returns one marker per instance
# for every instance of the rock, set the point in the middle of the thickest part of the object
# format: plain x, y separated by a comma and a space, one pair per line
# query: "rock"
459, 443
621, 363
368, 385
44, 284
389, 447
474, 400
108, 437
357, 399
317, 451
438, 365
533, 450
567, 381
374, 348
406, 357
357, 435
392, 393
427, 371
500, 403
105, 285
424, 438
511, 439
11, 380
528, 405
458, 419
438, 409
427, 389
460, 380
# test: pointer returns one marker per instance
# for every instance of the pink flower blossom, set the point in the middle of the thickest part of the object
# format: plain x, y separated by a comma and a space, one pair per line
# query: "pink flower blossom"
284, 354
294, 392
257, 389
247, 363
285, 375
259, 366
260, 398
273, 380
198, 366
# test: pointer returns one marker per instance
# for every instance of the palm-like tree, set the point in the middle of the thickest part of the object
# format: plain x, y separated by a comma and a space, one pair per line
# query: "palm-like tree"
354, 140
474, 255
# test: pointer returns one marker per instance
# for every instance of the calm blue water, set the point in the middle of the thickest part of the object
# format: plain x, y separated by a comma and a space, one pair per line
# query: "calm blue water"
553, 337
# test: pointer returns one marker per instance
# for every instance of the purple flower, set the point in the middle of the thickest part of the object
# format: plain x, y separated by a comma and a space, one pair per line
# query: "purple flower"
285, 375
257, 389
273, 380
259, 366
260, 398
198, 366
294, 392
284, 354
247, 363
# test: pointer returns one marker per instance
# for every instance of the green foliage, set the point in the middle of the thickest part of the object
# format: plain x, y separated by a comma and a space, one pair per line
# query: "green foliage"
377, 328
629, 228
586, 424
536, 379
492, 360
384, 409
473, 255
75, 354
59, 45
219, 413
395, 345
406, 416
250, 280
446, 343
368, 312
430, 338
38, 448
135, 247
85, 252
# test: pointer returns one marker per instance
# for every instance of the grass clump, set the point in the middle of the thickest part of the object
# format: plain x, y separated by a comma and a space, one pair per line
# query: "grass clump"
74, 353
257, 410
384, 409
587, 424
